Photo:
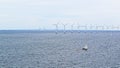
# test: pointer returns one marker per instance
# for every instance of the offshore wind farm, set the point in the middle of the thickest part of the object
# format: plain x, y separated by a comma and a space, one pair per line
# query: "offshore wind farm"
78, 27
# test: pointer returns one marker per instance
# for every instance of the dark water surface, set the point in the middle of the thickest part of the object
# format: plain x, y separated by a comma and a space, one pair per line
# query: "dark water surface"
50, 50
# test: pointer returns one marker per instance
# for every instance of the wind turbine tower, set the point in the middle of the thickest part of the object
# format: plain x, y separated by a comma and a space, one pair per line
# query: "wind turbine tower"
56, 26
72, 28
64, 28
78, 28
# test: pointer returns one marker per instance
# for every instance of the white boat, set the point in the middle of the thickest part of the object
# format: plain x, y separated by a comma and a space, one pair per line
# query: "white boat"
85, 48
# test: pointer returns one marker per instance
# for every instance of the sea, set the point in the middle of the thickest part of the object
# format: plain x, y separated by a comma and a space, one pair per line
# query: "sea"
48, 49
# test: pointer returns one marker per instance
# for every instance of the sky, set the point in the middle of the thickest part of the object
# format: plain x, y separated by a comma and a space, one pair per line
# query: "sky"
42, 14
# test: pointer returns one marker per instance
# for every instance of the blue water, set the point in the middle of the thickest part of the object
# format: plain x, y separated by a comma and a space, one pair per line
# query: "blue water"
36, 49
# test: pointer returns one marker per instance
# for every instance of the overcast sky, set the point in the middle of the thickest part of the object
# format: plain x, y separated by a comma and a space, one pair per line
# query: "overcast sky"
34, 14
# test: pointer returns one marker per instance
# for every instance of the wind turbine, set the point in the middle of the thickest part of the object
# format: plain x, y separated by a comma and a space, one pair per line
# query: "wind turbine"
107, 27
112, 28
64, 27
99, 27
119, 28
91, 27
72, 28
56, 26
102, 28
78, 27
86, 27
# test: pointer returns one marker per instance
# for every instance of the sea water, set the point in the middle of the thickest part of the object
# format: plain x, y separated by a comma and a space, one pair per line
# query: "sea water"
34, 49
